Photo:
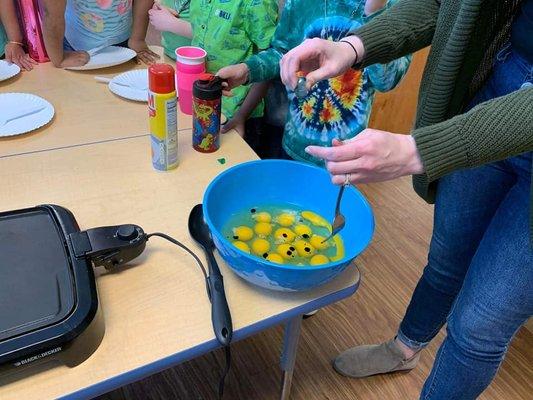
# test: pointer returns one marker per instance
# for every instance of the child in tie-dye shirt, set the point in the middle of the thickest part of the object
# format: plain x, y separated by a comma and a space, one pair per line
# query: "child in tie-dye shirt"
338, 108
72, 27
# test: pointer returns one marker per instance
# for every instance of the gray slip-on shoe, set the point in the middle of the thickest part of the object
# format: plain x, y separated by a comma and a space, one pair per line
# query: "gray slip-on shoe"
367, 360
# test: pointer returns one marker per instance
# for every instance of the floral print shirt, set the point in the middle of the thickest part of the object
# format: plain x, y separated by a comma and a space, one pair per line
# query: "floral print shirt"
94, 23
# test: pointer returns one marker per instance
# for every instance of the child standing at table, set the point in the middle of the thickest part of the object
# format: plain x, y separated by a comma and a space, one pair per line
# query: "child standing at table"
338, 108
11, 46
230, 32
72, 27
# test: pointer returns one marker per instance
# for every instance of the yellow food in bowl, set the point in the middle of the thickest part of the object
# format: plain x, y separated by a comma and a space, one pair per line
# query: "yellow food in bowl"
263, 228
304, 249
303, 231
284, 235
319, 259
260, 246
262, 217
286, 219
241, 246
275, 258
243, 233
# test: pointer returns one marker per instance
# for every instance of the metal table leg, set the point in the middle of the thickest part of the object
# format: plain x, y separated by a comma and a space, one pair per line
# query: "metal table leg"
288, 356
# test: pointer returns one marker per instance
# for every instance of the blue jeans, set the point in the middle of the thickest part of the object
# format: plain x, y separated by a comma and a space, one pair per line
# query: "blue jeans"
479, 276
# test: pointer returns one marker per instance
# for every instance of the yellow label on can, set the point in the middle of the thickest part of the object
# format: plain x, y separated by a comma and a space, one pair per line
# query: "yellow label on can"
163, 117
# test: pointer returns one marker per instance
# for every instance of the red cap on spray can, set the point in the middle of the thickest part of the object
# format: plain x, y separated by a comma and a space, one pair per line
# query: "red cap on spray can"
161, 78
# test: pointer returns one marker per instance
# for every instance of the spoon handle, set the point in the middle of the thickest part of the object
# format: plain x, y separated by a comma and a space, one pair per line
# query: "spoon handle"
220, 314
339, 198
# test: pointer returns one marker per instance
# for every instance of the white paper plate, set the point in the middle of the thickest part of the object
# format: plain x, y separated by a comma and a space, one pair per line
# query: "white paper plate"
108, 57
8, 70
10, 102
137, 80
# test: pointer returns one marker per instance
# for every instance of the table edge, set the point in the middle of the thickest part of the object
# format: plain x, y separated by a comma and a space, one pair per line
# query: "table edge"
201, 349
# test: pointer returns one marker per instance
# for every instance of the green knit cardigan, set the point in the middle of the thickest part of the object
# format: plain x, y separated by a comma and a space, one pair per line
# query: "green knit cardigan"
465, 36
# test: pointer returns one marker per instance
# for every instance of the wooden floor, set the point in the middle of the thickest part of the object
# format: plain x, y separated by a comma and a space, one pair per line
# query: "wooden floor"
390, 268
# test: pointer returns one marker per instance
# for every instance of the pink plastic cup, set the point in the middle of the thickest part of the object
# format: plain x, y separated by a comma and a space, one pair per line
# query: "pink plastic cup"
190, 64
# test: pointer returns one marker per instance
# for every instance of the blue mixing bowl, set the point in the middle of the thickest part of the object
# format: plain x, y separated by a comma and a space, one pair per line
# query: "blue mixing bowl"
281, 182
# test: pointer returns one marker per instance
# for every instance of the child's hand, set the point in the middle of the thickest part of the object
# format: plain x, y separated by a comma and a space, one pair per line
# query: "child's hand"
158, 6
234, 75
236, 123
15, 54
74, 59
144, 54
162, 18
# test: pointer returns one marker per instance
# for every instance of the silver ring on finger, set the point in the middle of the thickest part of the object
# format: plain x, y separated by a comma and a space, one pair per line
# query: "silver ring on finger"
347, 178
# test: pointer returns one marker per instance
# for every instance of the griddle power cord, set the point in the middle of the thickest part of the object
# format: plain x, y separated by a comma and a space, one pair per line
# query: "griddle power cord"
204, 271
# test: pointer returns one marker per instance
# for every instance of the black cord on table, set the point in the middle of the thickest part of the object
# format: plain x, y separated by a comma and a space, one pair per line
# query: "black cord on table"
204, 271
225, 372
177, 243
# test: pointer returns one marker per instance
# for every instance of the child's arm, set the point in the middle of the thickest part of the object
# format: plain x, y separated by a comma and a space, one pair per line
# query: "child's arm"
164, 20
385, 77
14, 51
255, 95
137, 39
54, 34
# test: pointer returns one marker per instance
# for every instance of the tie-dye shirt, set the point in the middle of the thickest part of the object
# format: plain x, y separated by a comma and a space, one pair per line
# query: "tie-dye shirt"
335, 108
94, 23
3, 40
231, 31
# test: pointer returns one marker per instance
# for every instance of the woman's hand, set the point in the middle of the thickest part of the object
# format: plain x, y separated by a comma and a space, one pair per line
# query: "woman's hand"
235, 76
15, 54
144, 53
319, 59
372, 156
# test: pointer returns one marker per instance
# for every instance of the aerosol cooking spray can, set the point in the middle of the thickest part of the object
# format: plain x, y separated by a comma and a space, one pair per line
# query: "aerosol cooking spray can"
163, 117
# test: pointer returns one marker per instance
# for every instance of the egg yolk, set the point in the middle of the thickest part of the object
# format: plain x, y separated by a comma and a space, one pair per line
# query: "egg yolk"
303, 231
243, 233
275, 258
318, 242
316, 219
241, 246
287, 251
319, 259
284, 235
262, 217
263, 228
260, 246
304, 249
286, 219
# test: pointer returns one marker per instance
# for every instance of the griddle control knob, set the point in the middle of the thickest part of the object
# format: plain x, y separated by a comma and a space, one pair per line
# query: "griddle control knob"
127, 233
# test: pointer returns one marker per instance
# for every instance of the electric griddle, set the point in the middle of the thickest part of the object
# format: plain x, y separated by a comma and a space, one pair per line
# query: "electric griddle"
49, 307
